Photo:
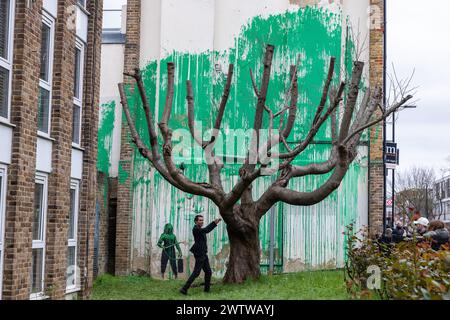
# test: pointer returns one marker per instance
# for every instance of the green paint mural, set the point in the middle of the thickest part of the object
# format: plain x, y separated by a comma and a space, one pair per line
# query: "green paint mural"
305, 237
105, 134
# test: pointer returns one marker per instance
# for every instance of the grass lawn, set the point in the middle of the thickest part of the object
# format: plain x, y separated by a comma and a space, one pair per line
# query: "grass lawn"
320, 285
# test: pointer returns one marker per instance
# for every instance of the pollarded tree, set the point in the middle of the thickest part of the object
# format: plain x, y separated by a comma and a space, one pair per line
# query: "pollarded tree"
242, 213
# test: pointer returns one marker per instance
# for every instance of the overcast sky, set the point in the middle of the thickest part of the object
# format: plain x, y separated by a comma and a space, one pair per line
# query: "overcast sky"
419, 37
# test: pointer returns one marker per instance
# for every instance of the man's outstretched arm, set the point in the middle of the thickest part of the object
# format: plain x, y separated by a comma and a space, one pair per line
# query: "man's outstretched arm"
211, 226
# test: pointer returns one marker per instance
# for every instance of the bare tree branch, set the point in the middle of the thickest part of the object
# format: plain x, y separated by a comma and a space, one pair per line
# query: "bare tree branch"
315, 128
148, 116
384, 117
326, 89
202, 189
293, 105
351, 100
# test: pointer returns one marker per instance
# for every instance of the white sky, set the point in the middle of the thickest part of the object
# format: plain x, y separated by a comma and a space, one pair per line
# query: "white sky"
419, 37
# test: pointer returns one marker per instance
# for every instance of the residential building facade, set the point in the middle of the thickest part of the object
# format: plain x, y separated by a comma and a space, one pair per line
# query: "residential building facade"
49, 78
442, 199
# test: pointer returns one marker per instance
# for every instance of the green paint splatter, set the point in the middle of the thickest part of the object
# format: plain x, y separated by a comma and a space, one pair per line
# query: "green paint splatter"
105, 136
315, 35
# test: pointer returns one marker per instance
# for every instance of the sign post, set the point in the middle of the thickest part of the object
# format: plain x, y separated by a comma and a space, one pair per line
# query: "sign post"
392, 161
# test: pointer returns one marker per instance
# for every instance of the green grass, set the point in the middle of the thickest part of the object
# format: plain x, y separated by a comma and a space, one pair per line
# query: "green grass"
320, 285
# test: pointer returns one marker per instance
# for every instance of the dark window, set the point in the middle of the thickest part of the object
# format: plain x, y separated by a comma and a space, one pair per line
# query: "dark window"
71, 231
45, 52
44, 110
4, 28
4, 92
77, 73
76, 122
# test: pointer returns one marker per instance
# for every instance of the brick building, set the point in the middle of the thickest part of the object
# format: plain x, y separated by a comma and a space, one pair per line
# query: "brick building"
206, 36
49, 78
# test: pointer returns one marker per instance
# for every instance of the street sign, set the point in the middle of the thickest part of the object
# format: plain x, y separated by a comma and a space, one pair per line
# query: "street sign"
392, 155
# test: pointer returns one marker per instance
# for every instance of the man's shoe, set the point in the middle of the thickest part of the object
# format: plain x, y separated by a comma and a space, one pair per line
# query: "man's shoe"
183, 291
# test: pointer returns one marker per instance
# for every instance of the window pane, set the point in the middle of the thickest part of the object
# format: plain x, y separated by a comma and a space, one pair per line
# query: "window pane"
37, 285
38, 202
76, 82
76, 124
44, 108
71, 234
71, 267
4, 92
4, 28
45, 52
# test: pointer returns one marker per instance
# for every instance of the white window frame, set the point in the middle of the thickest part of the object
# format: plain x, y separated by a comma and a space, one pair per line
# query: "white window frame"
48, 85
73, 243
79, 101
7, 63
41, 178
3, 175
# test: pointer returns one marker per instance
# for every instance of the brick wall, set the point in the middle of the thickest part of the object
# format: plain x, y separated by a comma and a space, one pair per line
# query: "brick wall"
21, 172
124, 200
61, 130
376, 167
106, 197
91, 102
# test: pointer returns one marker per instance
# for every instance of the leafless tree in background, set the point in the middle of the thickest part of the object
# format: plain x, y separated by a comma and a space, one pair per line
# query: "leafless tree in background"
414, 190
242, 213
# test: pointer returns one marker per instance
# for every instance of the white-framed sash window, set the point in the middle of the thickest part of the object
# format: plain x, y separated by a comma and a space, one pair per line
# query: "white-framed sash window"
72, 275
78, 92
6, 53
39, 233
3, 176
45, 74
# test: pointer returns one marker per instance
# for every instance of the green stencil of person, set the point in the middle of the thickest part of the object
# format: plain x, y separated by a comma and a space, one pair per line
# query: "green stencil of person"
168, 242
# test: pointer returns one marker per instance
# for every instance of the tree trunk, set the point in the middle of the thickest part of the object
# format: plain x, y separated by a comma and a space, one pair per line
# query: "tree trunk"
244, 260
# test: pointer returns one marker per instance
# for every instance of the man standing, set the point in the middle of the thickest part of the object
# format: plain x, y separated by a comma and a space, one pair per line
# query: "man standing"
200, 250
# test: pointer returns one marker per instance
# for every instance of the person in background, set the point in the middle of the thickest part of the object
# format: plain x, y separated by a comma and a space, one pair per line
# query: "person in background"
421, 225
200, 250
399, 233
385, 242
438, 234
168, 242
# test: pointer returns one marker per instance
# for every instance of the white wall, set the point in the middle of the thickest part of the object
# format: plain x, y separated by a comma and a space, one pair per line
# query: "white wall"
111, 74
44, 155
5, 143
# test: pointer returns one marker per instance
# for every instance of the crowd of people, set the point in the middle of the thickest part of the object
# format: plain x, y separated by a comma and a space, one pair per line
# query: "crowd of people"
422, 230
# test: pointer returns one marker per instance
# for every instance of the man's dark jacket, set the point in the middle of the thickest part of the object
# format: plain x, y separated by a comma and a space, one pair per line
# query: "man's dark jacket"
200, 248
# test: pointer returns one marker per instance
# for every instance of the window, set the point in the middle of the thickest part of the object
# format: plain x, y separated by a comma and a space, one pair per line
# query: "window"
72, 245
39, 228
45, 75
78, 92
6, 38
2, 219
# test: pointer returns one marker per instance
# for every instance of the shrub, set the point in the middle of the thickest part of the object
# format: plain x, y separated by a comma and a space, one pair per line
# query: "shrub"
409, 270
